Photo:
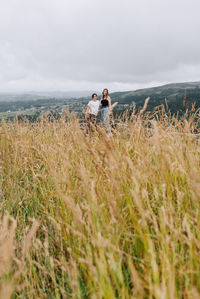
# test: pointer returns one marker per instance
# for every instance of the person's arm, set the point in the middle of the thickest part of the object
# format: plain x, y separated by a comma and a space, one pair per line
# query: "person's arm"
87, 110
100, 105
109, 102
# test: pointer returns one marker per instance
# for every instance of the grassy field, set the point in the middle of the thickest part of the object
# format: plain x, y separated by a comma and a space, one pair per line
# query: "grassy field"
96, 217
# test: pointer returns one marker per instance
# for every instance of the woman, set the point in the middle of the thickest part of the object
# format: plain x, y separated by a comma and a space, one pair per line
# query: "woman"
105, 105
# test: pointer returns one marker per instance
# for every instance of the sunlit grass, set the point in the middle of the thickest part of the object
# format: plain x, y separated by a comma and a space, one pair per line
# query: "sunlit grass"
86, 216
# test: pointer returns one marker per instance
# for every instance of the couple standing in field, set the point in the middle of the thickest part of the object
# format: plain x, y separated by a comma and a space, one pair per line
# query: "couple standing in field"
104, 106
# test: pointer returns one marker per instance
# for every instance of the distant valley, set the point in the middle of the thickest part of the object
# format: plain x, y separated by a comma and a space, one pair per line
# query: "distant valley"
176, 97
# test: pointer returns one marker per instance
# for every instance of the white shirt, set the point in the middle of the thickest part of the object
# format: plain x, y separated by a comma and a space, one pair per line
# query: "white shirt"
94, 106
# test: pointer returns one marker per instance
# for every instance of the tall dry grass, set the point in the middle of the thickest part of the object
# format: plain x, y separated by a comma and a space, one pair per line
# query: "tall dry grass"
97, 217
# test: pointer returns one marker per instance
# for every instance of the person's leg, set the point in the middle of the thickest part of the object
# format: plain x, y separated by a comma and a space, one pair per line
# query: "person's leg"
93, 118
102, 117
93, 121
107, 120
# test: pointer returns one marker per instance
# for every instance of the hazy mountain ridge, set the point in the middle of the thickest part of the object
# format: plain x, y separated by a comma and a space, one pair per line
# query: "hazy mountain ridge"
178, 96
33, 95
166, 90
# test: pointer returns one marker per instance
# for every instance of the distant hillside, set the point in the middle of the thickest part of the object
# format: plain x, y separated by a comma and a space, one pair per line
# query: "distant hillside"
41, 95
178, 96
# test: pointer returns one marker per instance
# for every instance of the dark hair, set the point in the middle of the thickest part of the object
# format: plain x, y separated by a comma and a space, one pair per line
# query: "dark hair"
103, 93
94, 94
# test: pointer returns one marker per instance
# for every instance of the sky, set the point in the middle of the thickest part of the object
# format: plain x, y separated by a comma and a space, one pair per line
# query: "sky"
75, 45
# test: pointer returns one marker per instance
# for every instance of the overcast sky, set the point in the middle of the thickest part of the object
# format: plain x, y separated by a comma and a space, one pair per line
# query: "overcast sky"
64, 45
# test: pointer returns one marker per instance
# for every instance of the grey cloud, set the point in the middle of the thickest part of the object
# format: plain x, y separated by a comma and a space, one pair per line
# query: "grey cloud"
67, 44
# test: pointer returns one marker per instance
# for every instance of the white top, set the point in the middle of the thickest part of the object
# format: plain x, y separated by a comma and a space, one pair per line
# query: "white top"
94, 106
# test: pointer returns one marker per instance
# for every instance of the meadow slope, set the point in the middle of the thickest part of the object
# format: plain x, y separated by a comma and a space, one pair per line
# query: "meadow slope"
92, 217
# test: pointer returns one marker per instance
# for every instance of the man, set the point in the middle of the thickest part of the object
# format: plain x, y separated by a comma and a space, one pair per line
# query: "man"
92, 111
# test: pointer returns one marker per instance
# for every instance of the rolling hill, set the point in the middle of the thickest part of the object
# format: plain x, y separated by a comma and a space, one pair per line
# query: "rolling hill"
178, 96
